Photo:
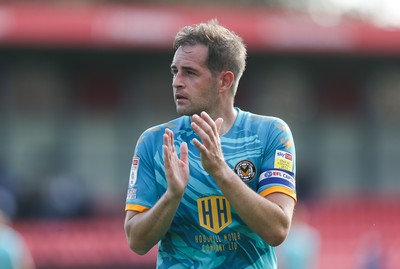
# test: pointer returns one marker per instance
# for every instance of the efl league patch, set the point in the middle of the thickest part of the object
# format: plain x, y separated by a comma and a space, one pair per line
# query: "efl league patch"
246, 170
134, 170
131, 194
277, 174
283, 160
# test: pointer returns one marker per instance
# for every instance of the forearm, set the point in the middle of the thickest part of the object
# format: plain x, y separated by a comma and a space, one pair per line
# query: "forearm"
144, 230
269, 218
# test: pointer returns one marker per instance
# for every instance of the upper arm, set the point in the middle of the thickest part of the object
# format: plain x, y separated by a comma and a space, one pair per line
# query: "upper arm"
285, 202
129, 215
282, 217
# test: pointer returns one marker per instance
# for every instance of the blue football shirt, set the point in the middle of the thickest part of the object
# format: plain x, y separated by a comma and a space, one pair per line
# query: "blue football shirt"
206, 232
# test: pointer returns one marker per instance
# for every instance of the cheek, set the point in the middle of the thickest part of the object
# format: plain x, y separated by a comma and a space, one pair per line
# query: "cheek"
204, 91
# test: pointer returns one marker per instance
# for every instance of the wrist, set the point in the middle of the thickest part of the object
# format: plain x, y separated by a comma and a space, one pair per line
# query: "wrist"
173, 196
222, 174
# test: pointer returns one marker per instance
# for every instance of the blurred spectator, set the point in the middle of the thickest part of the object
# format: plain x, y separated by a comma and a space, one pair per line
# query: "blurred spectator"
301, 248
14, 254
371, 253
8, 196
8, 202
64, 196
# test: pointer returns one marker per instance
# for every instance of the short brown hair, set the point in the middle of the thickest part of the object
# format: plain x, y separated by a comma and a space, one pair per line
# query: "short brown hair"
226, 50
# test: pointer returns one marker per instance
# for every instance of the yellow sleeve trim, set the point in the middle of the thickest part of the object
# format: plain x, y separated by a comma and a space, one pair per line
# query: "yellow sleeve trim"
138, 208
280, 189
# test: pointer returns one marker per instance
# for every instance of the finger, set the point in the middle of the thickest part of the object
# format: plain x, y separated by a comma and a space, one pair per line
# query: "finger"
204, 125
166, 140
170, 139
166, 156
204, 115
200, 132
166, 148
184, 152
197, 127
199, 145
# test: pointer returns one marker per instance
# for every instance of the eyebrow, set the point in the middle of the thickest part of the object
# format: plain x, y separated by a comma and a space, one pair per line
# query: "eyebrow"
186, 68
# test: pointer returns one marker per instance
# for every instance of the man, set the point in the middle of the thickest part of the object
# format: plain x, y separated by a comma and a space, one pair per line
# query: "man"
14, 253
302, 247
215, 187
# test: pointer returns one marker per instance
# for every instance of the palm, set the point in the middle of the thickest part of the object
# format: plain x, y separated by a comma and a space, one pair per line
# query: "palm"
176, 169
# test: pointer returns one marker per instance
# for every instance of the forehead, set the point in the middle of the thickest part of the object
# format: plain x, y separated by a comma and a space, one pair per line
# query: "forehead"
190, 55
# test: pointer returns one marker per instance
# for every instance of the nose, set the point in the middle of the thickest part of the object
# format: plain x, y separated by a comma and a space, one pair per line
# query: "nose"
177, 81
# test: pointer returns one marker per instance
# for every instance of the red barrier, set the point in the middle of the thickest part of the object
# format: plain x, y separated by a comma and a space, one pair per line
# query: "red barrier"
346, 226
83, 243
153, 27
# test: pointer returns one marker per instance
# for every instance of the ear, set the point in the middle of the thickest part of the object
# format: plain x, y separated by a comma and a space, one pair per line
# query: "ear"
226, 80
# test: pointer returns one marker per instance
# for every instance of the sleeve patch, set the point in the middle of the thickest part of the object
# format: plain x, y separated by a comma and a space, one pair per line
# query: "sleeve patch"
134, 171
283, 160
277, 177
131, 194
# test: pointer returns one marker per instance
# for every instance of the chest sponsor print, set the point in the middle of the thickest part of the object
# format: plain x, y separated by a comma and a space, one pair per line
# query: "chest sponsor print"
214, 213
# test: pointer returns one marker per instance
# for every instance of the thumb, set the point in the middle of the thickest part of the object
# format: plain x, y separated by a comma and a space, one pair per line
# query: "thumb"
218, 123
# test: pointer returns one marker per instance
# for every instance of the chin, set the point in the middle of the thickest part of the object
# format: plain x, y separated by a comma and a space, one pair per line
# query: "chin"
184, 112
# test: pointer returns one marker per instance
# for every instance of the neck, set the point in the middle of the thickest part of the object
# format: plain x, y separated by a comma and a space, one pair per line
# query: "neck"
229, 118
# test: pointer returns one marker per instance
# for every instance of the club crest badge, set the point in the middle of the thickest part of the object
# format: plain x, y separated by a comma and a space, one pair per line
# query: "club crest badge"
246, 170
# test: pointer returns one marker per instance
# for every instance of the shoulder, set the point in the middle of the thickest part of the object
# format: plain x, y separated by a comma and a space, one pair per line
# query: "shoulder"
155, 133
271, 130
263, 122
11, 235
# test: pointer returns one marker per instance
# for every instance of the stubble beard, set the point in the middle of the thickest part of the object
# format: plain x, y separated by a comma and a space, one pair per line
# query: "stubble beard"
188, 111
196, 108
192, 109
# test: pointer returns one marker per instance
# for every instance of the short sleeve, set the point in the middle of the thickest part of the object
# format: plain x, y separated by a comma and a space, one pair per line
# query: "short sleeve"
279, 163
142, 187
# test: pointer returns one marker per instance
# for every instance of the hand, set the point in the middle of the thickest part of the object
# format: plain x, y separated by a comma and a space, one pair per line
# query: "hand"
211, 154
176, 170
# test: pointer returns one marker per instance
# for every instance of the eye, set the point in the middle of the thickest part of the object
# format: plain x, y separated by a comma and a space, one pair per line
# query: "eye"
191, 72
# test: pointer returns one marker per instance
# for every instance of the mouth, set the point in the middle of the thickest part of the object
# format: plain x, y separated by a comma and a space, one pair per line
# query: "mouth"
180, 97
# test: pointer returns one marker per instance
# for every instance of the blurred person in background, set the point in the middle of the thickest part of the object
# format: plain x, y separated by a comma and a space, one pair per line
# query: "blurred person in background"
14, 254
214, 187
301, 248
371, 252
